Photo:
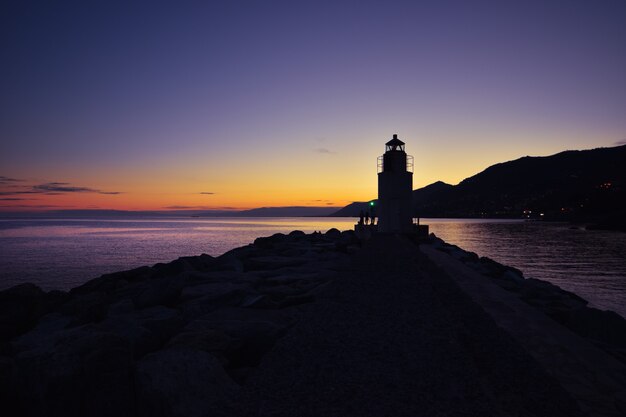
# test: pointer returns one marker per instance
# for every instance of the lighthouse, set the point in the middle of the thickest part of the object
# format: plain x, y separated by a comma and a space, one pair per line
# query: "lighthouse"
395, 189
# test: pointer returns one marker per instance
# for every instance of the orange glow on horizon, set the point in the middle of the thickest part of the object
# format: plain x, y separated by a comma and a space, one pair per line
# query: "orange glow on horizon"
268, 177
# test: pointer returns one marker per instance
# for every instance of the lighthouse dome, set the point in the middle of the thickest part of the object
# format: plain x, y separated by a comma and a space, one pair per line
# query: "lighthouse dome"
394, 144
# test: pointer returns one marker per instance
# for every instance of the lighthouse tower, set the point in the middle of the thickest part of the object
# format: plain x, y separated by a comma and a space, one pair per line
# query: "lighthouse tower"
395, 189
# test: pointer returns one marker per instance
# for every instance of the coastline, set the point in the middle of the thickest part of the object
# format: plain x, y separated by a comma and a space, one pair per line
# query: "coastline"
121, 340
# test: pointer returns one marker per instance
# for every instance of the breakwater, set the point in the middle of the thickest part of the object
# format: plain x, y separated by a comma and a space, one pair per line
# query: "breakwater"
605, 329
316, 324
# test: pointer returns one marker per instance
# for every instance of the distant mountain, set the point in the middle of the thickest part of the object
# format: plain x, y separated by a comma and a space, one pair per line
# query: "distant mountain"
294, 211
429, 198
428, 193
352, 209
96, 213
587, 185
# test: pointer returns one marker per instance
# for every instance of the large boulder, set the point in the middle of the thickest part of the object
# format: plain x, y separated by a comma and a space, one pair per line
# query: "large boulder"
262, 263
87, 307
252, 332
201, 263
191, 278
161, 321
217, 289
8, 395
44, 336
160, 291
228, 262
202, 299
182, 383
75, 372
270, 241
140, 339
111, 282
20, 308
146, 330
206, 340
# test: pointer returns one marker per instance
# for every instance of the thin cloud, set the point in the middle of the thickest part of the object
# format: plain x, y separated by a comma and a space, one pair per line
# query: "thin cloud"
36, 206
324, 151
56, 188
19, 192
63, 187
206, 193
16, 199
13, 187
620, 142
8, 180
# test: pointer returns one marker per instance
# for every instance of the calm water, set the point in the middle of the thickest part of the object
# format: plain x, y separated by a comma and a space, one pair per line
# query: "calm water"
60, 254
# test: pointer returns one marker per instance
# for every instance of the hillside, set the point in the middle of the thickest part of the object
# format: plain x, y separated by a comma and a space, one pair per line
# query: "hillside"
294, 211
429, 195
352, 209
572, 185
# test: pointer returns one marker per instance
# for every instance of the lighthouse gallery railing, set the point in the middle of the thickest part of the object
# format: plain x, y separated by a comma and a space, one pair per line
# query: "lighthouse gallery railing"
381, 164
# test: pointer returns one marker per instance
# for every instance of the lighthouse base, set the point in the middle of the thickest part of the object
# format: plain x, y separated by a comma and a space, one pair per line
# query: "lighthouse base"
365, 231
419, 232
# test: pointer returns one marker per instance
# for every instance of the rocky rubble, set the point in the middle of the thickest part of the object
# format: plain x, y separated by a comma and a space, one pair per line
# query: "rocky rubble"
606, 329
138, 342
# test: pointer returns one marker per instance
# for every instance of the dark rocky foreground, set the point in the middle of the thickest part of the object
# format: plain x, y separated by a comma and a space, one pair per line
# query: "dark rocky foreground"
294, 324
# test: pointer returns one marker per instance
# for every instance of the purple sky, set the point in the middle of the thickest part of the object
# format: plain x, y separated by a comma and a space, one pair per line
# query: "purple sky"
114, 95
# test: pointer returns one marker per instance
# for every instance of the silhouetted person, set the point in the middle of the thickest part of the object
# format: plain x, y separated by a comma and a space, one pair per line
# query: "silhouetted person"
367, 217
361, 215
373, 216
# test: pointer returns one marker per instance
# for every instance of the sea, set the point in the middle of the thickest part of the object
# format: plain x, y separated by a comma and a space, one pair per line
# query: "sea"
64, 253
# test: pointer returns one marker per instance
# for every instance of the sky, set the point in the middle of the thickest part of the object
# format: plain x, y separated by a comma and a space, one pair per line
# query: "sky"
239, 104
